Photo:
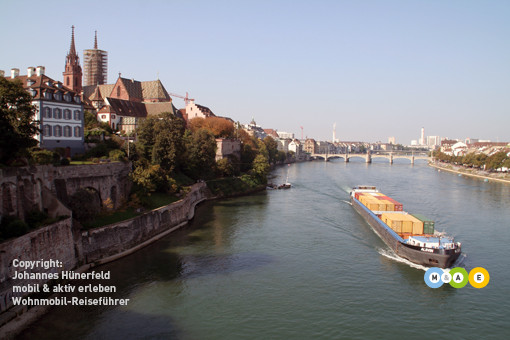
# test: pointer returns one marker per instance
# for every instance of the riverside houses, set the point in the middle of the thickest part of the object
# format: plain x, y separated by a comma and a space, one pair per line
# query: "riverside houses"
59, 110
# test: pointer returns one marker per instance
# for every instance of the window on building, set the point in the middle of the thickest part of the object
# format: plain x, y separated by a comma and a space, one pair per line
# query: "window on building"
47, 112
77, 99
67, 97
47, 95
57, 113
103, 116
77, 115
67, 114
47, 130
113, 116
57, 131
77, 131
67, 81
118, 91
68, 132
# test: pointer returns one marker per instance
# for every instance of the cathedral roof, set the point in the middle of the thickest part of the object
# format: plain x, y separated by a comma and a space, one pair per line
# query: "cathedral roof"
127, 107
154, 90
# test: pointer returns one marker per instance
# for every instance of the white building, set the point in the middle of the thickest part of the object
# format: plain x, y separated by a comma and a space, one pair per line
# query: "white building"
297, 147
433, 141
59, 110
197, 111
285, 135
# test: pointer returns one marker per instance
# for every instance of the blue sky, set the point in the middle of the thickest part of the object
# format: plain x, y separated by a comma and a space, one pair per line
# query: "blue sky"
376, 68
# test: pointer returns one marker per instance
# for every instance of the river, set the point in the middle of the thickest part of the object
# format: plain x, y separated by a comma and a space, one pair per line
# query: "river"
302, 264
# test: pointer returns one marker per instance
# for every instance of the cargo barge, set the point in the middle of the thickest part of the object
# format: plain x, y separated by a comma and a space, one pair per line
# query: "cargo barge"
411, 236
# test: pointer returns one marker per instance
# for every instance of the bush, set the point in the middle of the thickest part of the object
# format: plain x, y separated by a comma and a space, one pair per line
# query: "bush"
117, 155
35, 218
85, 204
14, 228
42, 156
64, 161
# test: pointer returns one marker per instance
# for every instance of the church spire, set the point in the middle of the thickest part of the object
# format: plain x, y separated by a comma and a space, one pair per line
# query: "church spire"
72, 73
72, 50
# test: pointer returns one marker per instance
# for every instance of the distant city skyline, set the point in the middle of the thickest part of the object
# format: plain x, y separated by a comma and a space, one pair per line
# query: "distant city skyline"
376, 68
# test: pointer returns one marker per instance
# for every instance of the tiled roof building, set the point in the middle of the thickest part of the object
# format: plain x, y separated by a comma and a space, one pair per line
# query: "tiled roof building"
124, 103
59, 110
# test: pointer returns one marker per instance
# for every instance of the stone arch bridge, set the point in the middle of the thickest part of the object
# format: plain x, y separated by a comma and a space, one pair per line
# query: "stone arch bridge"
46, 187
369, 156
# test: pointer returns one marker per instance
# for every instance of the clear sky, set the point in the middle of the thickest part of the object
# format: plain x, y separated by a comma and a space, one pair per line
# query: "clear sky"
376, 68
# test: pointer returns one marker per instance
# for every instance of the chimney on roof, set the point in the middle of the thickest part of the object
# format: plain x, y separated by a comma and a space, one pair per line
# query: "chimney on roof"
30, 71
40, 70
14, 72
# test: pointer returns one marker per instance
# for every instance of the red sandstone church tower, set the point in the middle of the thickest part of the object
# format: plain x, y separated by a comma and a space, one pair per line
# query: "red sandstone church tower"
72, 73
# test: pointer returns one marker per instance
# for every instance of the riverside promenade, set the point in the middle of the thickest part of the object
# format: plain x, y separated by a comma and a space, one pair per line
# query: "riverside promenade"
480, 174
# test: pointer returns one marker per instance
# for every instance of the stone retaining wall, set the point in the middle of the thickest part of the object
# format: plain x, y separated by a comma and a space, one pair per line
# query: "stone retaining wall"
117, 238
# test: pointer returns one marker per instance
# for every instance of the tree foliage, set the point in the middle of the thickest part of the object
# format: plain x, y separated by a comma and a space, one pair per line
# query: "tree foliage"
151, 178
200, 154
272, 149
261, 167
225, 167
18, 126
477, 160
85, 204
219, 127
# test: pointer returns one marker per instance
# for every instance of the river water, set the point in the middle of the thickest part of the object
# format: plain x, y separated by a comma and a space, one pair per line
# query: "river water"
302, 264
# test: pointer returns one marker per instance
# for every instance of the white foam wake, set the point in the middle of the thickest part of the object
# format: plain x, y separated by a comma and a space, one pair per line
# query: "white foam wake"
391, 255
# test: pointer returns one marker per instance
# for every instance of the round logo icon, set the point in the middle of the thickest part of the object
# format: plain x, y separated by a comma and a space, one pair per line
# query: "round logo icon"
433, 277
479, 277
459, 277
446, 277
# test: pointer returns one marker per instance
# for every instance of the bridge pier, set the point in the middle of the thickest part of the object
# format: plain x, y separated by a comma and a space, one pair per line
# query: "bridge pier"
369, 158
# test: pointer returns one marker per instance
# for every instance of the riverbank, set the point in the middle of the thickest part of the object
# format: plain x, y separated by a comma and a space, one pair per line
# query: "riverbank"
474, 173
102, 245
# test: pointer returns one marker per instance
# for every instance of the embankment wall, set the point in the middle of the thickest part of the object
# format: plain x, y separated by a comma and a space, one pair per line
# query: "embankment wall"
54, 242
79, 250
103, 244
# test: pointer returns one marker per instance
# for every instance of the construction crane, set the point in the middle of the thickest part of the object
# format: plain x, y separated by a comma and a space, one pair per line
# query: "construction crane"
186, 99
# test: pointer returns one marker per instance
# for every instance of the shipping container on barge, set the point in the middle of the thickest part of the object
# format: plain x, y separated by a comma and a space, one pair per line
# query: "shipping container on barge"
411, 236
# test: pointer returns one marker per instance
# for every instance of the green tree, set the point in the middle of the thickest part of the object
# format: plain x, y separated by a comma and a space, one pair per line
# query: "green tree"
17, 124
261, 167
168, 144
225, 167
272, 149
200, 154
161, 140
90, 120
248, 154
146, 137
150, 178
496, 160
506, 162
